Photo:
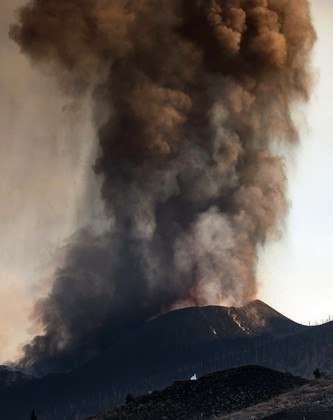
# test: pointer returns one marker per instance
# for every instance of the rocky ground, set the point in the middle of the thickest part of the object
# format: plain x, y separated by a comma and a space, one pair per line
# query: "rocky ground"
210, 396
310, 402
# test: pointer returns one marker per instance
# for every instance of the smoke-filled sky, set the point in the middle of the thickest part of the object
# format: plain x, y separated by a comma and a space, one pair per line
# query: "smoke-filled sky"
48, 145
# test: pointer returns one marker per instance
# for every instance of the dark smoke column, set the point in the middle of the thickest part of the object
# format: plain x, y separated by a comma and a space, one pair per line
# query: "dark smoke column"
196, 92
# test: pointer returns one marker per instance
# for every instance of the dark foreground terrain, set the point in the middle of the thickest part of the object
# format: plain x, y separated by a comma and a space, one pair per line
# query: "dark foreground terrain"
310, 402
212, 395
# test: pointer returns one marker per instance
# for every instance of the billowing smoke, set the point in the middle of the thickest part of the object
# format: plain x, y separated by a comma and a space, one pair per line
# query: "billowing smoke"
195, 93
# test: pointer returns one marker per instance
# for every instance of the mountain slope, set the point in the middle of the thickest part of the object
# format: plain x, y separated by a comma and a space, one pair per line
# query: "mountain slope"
298, 404
182, 338
215, 394
164, 349
10, 377
302, 352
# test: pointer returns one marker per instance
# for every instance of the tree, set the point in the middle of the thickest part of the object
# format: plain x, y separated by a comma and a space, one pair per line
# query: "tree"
317, 373
129, 398
33, 415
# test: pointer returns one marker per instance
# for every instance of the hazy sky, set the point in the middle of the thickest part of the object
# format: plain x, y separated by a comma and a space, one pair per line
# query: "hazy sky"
40, 208
46, 154
297, 274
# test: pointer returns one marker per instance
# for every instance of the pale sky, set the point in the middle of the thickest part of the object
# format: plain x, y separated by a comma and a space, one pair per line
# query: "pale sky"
46, 154
40, 208
297, 274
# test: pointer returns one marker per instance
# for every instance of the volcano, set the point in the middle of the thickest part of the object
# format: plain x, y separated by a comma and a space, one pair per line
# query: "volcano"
170, 347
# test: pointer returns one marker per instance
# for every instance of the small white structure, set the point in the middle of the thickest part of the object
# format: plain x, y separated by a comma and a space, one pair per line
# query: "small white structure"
194, 377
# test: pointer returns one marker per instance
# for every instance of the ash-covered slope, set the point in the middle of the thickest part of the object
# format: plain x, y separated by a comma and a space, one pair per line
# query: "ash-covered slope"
298, 353
164, 349
313, 401
191, 326
212, 395
10, 377
183, 337
168, 347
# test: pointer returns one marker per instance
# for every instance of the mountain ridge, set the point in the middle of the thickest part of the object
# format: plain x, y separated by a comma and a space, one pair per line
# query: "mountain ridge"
167, 348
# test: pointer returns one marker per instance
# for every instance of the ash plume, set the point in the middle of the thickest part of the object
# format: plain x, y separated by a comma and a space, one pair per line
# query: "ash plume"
196, 93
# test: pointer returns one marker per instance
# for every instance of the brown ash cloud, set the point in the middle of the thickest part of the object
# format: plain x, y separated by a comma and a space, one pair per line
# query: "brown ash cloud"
196, 93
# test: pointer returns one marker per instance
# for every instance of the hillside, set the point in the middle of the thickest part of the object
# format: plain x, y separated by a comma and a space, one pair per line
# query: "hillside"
179, 339
10, 377
212, 395
312, 401
168, 348
302, 352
